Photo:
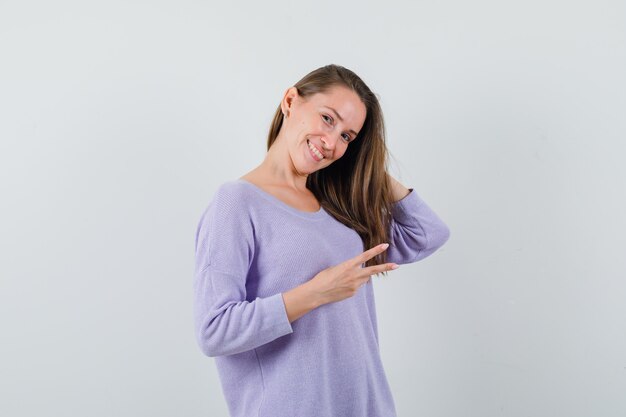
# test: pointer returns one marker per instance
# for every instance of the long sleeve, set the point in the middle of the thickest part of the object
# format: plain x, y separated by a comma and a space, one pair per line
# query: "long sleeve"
226, 322
416, 230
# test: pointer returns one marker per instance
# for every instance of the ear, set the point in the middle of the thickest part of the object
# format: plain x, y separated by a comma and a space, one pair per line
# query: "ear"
289, 97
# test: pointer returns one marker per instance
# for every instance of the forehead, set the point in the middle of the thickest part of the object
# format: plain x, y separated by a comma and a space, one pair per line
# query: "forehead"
336, 95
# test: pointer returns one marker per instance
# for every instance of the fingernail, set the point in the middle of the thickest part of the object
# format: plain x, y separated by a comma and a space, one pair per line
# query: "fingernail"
384, 245
395, 266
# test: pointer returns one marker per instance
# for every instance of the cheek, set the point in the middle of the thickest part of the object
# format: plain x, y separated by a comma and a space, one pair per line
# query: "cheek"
342, 151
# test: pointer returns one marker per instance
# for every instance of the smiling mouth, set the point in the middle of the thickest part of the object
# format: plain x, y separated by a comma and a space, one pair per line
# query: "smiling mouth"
315, 151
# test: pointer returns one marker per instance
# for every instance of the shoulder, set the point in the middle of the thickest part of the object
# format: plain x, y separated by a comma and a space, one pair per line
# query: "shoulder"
228, 199
228, 208
231, 193
231, 189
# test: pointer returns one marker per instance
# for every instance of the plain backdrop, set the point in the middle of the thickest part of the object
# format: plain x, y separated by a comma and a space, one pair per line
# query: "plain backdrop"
119, 119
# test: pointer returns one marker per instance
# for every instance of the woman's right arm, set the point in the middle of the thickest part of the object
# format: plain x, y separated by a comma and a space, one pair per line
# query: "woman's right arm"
225, 321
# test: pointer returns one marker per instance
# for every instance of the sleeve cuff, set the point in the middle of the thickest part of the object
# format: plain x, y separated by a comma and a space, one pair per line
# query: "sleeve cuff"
276, 306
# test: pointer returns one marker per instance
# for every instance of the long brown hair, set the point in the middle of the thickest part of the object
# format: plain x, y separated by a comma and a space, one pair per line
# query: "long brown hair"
354, 189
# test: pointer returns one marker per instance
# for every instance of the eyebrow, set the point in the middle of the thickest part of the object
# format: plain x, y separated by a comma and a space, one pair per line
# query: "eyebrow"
340, 118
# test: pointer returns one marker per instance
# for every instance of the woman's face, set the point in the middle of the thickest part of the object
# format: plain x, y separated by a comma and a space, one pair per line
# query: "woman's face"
326, 121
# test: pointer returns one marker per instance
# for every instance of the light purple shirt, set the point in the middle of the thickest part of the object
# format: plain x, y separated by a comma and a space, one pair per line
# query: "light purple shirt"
250, 248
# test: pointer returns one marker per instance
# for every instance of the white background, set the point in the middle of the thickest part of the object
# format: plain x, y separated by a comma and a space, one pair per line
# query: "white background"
119, 119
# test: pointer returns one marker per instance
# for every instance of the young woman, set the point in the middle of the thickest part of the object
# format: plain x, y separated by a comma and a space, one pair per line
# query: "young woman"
284, 255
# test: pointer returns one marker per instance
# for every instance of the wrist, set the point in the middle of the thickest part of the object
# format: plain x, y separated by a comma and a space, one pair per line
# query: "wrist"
312, 296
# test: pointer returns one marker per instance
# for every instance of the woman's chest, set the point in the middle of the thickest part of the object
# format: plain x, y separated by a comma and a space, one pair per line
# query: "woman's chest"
294, 252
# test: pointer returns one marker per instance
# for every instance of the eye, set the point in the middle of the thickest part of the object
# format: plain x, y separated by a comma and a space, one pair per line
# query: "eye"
326, 118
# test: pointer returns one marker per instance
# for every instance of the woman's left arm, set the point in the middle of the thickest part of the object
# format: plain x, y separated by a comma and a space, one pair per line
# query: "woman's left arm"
416, 230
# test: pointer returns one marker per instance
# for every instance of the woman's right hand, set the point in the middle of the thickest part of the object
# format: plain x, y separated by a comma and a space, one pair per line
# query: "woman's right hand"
343, 280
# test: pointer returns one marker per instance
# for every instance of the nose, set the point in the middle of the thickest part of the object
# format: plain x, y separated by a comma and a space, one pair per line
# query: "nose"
328, 143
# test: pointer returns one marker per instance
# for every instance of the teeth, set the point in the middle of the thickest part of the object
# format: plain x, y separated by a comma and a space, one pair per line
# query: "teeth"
315, 151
